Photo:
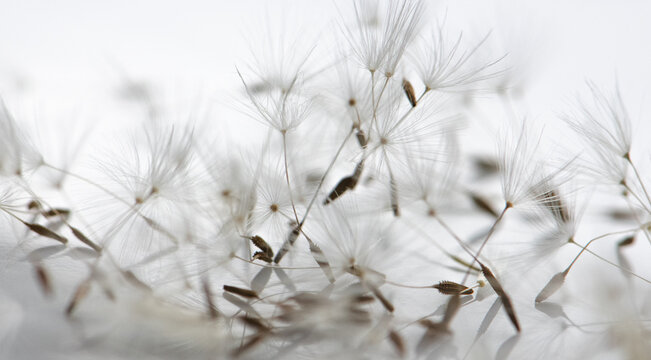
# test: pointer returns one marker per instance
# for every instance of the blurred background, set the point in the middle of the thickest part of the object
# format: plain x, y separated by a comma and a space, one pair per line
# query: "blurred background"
89, 67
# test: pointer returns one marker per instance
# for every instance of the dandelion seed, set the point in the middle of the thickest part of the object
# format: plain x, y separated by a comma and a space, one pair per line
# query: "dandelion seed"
507, 347
240, 291
213, 313
506, 300
398, 343
43, 231
448, 67
409, 91
291, 239
394, 197
488, 318
254, 322
345, 184
626, 242
385, 302
266, 253
16, 153
555, 283
82, 291
452, 288
64, 213
255, 340
284, 279
261, 279
133, 279
321, 260
621, 258
242, 305
34, 204
381, 47
486, 166
83, 238
436, 331
603, 122
361, 138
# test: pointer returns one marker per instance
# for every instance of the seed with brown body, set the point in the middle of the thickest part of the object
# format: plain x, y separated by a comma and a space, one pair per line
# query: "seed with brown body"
409, 91
452, 288
266, 253
240, 291
43, 231
43, 279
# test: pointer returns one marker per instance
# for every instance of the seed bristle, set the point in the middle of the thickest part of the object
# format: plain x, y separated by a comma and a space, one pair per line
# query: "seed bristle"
482, 204
345, 184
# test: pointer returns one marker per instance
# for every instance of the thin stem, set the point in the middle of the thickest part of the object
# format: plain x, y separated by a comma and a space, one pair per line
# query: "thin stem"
393, 192
438, 246
403, 117
408, 286
376, 104
90, 182
488, 236
609, 262
132, 207
289, 188
591, 241
454, 235
332, 163
275, 266
643, 227
636, 196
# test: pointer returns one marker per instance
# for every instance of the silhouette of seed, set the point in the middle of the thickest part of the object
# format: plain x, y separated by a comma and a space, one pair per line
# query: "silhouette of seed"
482, 204
43, 279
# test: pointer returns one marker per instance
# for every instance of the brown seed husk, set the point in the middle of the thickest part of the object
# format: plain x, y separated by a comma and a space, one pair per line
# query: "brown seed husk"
240, 291
506, 300
291, 239
56, 212
482, 204
452, 288
43, 231
262, 245
409, 91
385, 302
83, 238
345, 184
